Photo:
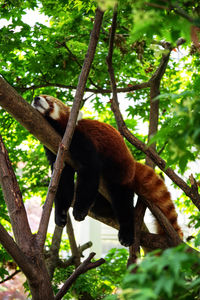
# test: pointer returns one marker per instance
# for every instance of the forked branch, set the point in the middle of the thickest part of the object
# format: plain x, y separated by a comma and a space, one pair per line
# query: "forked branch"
83, 268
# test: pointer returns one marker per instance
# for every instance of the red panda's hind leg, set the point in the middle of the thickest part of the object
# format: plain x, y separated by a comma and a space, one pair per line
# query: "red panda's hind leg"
122, 203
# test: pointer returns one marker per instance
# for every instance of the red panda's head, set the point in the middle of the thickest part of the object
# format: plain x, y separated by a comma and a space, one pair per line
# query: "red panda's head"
51, 107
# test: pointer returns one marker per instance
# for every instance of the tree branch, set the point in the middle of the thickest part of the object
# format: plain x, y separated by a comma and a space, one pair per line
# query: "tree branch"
53, 254
98, 90
154, 103
10, 276
83, 268
154, 157
28, 117
70, 261
175, 7
155, 85
64, 44
75, 251
13, 199
194, 185
148, 240
13, 249
64, 146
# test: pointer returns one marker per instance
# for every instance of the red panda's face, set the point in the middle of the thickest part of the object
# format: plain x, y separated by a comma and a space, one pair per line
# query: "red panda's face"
50, 106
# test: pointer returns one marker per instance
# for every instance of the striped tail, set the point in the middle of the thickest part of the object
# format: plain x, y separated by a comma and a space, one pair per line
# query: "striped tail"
148, 184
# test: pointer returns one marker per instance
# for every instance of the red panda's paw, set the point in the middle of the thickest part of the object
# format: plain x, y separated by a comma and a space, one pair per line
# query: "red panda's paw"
79, 215
126, 236
61, 219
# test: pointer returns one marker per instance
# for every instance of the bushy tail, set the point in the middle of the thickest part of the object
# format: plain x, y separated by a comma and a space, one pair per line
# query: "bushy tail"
148, 184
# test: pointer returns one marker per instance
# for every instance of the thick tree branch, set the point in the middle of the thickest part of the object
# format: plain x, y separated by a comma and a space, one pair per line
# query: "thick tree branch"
147, 240
83, 268
17, 254
171, 234
64, 146
25, 252
28, 117
13, 199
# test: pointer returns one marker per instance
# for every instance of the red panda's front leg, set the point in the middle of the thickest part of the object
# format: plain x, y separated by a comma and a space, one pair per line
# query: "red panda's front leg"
87, 188
122, 203
64, 195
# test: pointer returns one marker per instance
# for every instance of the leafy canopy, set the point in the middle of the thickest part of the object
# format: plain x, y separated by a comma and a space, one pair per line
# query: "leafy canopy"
46, 56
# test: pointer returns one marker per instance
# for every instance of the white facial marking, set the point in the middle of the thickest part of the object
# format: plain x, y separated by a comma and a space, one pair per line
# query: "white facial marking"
40, 109
44, 103
41, 105
55, 114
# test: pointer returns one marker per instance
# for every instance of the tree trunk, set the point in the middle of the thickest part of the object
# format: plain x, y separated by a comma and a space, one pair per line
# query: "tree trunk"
41, 287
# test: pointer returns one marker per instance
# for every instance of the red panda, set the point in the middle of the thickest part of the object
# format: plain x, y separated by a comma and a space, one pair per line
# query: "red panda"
99, 150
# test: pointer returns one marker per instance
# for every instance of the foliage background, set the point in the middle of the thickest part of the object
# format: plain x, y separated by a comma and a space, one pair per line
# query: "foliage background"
46, 57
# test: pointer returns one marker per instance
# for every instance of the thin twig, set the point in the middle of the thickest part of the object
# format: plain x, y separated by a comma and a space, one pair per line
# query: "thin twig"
70, 261
10, 276
156, 5
83, 268
52, 257
172, 6
73, 246
133, 87
77, 61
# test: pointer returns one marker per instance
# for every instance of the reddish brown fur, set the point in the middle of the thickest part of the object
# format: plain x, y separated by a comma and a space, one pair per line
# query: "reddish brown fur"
141, 178
104, 137
148, 184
